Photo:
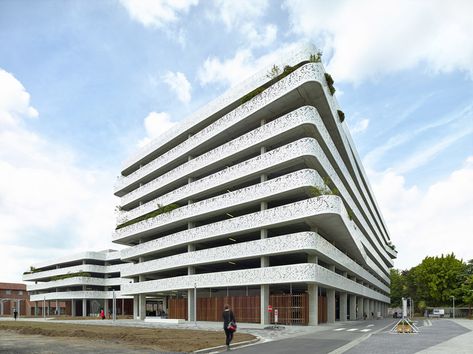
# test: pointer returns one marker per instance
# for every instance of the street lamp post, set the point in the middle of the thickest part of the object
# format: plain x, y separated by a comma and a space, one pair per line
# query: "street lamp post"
453, 299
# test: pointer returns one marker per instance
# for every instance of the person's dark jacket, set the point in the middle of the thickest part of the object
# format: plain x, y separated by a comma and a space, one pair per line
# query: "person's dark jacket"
228, 316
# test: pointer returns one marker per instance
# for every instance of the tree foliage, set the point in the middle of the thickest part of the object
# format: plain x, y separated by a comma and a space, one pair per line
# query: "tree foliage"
434, 281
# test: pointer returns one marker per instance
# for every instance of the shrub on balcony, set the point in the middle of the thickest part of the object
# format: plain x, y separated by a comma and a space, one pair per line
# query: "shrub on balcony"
316, 58
341, 115
71, 275
330, 83
160, 210
275, 75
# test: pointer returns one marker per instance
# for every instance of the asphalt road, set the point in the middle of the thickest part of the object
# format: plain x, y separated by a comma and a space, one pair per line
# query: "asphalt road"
430, 334
366, 337
321, 341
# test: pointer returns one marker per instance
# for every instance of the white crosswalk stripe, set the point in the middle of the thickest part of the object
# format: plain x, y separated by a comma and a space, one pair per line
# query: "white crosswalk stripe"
339, 329
365, 330
370, 325
352, 329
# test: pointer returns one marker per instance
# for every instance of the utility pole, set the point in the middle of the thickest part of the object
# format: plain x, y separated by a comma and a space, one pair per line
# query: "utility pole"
453, 299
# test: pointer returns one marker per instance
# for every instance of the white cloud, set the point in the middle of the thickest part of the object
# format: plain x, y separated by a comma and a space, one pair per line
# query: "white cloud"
236, 13
430, 222
156, 124
179, 84
259, 39
244, 16
157, 13
234, 70
48, 203
424, 155
14, 100
369, 38
360, 126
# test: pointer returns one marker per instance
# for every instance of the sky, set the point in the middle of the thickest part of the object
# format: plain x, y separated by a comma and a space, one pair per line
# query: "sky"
84, 84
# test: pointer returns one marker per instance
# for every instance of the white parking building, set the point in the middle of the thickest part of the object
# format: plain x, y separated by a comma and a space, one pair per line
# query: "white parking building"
258, 200
84, 282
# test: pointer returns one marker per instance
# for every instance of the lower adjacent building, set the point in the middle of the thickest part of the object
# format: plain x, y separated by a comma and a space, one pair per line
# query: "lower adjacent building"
13, 296
83, 283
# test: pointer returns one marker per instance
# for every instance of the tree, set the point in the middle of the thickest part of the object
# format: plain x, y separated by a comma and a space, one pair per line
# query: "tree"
434, 281
398, 287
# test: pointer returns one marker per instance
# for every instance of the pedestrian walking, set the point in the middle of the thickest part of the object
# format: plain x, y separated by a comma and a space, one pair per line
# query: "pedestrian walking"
229, 325
15, 313
102, 314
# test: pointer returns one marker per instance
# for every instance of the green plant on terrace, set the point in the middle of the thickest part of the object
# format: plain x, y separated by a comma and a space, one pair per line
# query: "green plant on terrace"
71, 275
286, 71
160, 210
330, 83
316, 58
274, 72
341, 115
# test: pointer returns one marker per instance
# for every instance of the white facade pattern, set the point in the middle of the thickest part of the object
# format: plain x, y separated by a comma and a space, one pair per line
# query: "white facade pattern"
261, 190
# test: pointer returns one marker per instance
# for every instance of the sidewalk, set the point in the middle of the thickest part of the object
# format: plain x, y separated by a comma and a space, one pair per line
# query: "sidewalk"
462, 344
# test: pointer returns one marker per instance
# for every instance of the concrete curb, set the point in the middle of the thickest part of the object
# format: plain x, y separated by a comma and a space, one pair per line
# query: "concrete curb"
224, 347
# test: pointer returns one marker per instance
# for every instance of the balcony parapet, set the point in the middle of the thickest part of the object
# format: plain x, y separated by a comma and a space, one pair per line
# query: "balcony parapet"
89, 268
294, 273
309, 242
76, 281
296, 55
284, 124
78, 295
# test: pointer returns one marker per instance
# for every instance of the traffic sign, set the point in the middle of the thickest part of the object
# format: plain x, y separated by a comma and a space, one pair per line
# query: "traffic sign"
270, 308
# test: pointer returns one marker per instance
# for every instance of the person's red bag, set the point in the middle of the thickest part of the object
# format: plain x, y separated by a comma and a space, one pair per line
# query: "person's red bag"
232, 326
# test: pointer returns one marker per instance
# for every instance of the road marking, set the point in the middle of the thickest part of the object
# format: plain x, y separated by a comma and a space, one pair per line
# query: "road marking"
427, 323
370, 325
352, 329
339, 329
365, 330
357, 341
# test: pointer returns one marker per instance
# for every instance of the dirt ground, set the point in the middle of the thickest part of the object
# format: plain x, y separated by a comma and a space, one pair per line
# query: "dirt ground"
156, 339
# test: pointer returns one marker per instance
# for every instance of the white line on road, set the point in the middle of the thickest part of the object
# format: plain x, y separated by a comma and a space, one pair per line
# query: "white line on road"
365, 330
352, 329
370, 325
357, 341
339, 329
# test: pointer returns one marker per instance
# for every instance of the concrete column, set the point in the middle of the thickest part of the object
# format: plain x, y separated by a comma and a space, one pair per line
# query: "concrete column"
73, 308
359, 303
105, 307
372, 314
366, 307
330, 305
343, 306
84, 307
264, 301
331, 301
313, 304
35, 308
353, 304
58, 311
135, 307
142, 306
191, 313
